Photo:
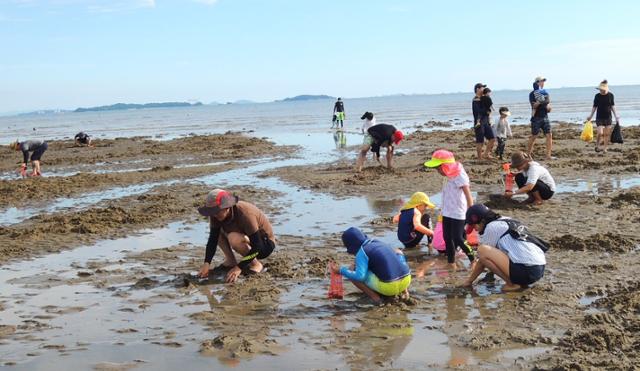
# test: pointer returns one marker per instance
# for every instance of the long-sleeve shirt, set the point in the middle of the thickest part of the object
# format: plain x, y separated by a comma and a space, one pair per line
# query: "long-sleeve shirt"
381, 260
503, 129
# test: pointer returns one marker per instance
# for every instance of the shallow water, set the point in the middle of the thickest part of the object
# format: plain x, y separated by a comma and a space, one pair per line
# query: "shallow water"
53, 291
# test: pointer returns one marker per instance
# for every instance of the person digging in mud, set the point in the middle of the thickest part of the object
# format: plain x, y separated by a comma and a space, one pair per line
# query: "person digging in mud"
236, 226
379, 269
519, 262
38, 147
533, 179
382, 135
83, 138
413, 222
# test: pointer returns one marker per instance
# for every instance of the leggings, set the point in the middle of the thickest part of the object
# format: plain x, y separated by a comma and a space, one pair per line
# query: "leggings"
454, 237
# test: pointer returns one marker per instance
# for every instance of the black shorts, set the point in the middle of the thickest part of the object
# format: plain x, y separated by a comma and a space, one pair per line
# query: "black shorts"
540, 123
37, 154
521, 274
540, 187
483, 131
268, 248
603, 122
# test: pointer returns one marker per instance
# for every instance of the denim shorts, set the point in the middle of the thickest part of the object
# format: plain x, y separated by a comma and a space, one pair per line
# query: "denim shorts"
540, 123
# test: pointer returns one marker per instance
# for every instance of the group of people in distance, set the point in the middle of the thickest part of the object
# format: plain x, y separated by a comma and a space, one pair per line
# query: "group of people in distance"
37, 148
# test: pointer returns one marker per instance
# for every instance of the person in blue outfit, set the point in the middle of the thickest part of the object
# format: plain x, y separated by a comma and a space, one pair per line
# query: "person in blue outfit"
379, 269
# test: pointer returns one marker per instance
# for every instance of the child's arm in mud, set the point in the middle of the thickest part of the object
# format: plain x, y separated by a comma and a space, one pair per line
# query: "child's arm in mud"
362, 266
417, 224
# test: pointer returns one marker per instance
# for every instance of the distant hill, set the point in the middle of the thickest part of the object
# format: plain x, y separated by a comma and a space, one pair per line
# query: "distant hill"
128, 106
306, 97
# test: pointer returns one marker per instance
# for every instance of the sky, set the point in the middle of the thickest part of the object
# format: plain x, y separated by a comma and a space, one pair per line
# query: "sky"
63, 54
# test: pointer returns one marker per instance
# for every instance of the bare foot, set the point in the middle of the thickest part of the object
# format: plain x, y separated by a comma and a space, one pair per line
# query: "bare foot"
423, 268
511, 287
466, 283
255, 266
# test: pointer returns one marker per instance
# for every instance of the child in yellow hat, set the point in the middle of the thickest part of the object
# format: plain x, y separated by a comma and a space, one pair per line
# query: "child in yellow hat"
413, 221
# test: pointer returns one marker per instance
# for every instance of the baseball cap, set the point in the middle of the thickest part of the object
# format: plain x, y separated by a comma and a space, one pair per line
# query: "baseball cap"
478, 86
540, 78
476, 213
217, 200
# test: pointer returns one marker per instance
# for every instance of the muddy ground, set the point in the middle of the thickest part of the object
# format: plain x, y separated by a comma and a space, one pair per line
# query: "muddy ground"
583, 314
595, 249
574, 160
120, 159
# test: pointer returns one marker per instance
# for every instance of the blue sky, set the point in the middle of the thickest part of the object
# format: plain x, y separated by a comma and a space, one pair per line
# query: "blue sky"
70, 53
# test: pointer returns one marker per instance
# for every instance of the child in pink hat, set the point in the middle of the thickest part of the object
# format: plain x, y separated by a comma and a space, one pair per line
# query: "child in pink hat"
456, 199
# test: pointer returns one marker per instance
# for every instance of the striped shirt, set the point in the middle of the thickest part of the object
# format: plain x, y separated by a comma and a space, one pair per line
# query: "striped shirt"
521, 252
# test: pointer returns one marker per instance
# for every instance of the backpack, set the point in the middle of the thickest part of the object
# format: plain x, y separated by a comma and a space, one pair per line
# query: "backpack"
520, 232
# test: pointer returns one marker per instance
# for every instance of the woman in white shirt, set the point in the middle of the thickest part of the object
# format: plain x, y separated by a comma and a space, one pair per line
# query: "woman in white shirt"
519, 263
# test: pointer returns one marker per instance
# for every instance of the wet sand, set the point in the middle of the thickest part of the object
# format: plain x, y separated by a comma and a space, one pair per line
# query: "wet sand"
133, 268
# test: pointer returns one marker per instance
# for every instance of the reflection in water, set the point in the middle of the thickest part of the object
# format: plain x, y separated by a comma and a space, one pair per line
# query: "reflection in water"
381, 338
385, 206
340, 139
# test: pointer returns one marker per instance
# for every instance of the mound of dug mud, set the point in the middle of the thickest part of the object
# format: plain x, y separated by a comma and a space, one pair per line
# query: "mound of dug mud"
596, 242
629, 198
607, 340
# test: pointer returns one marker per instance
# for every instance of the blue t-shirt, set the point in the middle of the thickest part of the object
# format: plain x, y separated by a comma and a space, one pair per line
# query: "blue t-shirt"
381, 260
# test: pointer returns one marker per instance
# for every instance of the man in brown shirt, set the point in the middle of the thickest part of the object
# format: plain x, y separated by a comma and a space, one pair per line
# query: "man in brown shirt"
236, 226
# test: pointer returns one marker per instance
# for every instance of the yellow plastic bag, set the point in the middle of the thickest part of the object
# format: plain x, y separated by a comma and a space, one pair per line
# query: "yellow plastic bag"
587, 132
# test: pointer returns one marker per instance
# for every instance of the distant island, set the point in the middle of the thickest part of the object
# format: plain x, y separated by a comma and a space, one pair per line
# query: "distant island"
128, 106
306, 97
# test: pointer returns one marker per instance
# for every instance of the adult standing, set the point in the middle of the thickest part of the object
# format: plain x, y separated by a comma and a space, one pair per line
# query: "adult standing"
338, 110
481, 125
540, 117
236, 226
603, 102
382, 135
533, 179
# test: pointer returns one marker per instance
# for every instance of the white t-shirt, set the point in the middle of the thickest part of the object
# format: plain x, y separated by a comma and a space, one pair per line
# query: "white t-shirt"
537, 171
454, 203
521, 252
367, 124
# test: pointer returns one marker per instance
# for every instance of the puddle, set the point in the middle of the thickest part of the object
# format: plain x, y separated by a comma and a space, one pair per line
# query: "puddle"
599, 187
136, 315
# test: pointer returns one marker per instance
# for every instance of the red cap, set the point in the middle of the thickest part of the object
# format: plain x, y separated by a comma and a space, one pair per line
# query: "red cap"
397, 136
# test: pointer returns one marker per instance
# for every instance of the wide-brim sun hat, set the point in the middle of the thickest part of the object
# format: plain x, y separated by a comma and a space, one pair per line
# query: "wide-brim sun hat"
439, 157
604, 85
418, 198
518, 159
216, 201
